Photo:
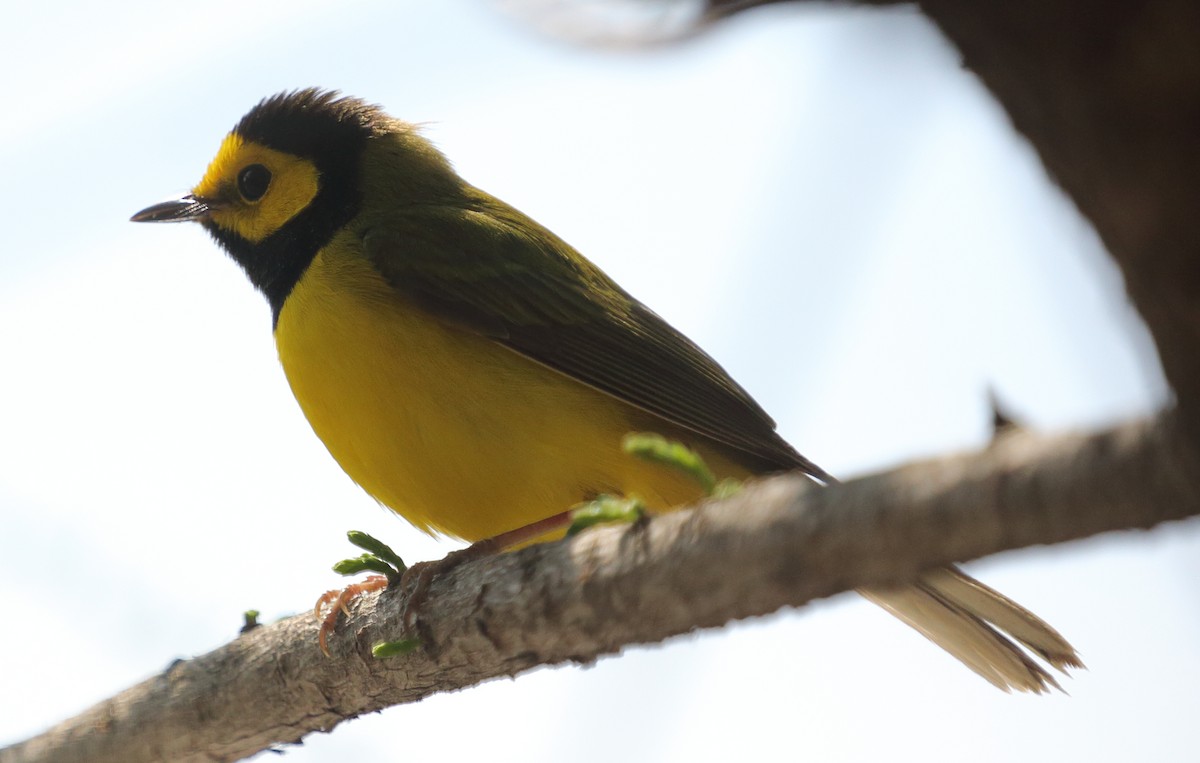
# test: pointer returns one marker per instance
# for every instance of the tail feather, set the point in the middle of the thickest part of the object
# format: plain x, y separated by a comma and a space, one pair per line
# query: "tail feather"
981, 628
1005, 614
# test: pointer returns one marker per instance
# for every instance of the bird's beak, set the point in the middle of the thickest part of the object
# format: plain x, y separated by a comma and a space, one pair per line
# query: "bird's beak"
179, 210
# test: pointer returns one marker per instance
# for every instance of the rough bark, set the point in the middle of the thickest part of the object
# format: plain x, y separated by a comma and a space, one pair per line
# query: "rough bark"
779, 543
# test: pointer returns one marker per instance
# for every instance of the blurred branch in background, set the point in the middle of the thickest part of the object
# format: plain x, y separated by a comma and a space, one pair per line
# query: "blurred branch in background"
1108, 94
780, 542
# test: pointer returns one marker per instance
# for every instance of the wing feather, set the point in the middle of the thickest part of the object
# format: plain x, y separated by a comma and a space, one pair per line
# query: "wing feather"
491, 270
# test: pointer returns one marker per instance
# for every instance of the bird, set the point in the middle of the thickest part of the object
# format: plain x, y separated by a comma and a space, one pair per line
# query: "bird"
474, 373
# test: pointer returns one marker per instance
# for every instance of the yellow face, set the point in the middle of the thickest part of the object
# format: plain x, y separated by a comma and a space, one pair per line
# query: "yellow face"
254, 190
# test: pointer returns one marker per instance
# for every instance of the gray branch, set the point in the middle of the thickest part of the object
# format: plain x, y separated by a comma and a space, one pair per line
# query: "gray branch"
779, 543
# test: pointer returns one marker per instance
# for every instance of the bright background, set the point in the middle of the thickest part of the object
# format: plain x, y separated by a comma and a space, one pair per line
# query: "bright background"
821, 197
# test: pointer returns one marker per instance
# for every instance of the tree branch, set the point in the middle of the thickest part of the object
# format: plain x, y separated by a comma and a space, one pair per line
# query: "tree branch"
1108, 94
781, 542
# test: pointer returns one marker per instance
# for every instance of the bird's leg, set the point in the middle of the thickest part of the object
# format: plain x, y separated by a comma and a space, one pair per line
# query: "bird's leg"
337, 600
422, 573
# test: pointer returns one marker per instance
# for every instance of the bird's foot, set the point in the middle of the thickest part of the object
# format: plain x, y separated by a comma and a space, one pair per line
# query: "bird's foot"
380, 558
338, 600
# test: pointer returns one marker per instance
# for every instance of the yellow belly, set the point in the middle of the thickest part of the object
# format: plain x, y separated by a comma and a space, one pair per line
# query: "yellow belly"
454, 432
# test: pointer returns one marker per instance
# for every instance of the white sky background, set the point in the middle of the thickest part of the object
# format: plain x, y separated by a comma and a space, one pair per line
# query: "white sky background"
820, 197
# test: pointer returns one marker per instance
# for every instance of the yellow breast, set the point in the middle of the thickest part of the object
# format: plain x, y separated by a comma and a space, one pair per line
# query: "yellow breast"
456, 433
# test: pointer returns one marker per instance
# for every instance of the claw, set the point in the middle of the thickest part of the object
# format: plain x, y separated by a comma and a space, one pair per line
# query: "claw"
422, 572
340, 603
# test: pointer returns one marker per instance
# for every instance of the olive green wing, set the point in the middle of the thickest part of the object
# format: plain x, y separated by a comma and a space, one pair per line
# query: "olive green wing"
493, 271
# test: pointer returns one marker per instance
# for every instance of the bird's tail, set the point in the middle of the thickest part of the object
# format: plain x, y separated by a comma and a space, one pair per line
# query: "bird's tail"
982, 628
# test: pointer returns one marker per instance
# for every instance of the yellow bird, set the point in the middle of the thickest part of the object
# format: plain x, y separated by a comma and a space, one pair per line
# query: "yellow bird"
475, 374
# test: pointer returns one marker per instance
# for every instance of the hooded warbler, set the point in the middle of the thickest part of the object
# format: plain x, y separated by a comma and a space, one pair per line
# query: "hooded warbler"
474, 373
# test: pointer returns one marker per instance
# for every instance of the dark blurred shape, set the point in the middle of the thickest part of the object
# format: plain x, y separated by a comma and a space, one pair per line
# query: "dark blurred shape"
1003, 422
1106, 93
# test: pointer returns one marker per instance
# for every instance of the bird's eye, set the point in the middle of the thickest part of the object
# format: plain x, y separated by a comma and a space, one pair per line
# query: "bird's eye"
252, 182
